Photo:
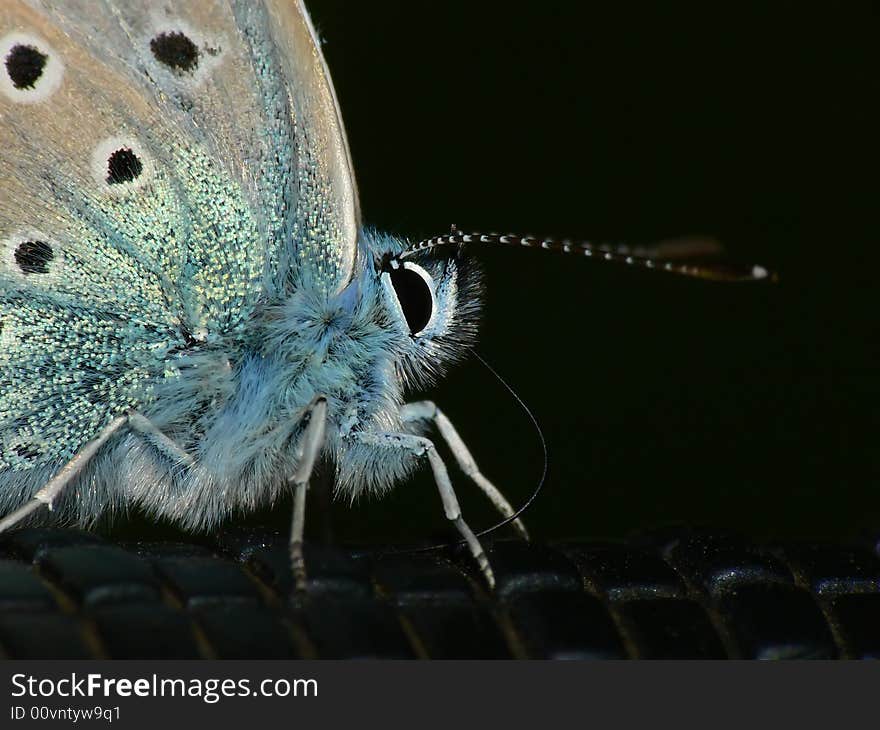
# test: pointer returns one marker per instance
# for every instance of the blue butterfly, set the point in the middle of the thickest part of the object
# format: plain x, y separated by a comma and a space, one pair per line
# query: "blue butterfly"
192, 313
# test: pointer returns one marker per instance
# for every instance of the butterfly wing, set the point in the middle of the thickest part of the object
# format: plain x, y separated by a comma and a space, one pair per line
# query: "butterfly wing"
251, 78
162, 171
327, 194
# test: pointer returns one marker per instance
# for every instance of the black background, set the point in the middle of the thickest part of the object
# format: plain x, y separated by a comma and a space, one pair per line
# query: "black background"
664, 401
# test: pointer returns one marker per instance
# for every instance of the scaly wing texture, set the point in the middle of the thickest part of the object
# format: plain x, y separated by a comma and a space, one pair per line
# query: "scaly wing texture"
163, 168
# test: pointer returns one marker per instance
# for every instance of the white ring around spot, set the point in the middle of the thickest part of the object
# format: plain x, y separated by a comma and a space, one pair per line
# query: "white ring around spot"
50, 78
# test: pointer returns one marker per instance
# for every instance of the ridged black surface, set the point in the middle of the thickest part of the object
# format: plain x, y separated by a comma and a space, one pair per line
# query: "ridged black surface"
66, 594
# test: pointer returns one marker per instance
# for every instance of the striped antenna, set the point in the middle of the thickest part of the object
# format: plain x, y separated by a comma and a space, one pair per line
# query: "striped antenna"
678, 256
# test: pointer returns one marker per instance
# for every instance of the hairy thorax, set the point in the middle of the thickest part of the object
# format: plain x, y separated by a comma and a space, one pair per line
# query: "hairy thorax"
238, 408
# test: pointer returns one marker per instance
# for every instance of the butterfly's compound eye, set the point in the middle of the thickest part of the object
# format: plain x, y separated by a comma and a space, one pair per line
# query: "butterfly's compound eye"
414, 289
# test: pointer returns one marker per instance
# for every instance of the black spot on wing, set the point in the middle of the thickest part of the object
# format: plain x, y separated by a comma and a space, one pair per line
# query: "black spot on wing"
123, 167
33, 257
176, 51
25, 65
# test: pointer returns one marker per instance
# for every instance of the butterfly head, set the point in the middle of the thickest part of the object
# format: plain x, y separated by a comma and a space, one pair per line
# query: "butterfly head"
431, 301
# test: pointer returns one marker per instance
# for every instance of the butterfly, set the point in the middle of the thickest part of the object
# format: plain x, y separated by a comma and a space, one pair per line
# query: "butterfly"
192, 312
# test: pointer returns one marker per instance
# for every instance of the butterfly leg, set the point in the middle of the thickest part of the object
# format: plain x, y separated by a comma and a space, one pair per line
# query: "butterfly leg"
424, 448
49, 493
166, 445
310, 446
428, 411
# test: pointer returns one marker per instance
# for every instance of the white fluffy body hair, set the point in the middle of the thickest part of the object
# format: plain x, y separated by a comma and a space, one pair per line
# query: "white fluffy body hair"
237, 404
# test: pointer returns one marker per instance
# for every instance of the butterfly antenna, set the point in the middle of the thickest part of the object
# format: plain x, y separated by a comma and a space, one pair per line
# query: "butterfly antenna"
680, 256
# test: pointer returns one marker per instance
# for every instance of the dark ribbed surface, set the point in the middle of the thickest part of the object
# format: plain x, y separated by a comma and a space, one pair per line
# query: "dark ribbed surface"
65, 594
